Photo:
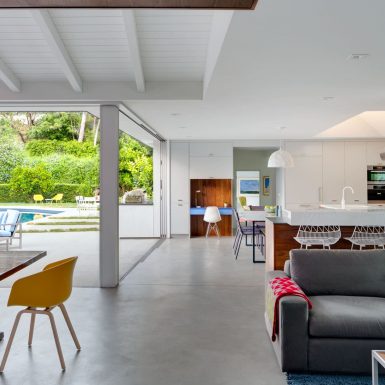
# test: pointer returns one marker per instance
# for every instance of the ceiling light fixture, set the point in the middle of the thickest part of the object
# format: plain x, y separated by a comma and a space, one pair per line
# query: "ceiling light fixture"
358, 56
327, 98
280, 158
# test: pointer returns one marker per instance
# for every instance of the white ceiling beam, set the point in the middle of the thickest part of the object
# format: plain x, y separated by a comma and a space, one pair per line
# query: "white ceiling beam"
54, 41
9, 78
220, 25
133, 42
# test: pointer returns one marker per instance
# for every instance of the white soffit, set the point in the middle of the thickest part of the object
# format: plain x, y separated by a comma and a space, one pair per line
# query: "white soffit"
368, 124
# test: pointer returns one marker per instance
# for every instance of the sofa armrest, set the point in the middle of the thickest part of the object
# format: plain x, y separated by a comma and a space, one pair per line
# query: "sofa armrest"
292, 342
293, 333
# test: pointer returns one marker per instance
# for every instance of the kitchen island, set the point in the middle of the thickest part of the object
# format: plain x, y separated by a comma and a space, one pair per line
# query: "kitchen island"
280, 232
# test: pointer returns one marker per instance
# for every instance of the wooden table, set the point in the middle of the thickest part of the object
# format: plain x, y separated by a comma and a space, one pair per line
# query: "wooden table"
13, 261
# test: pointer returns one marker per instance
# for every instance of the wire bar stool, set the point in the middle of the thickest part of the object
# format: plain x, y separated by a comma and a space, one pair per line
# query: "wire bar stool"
324, 236
364, 236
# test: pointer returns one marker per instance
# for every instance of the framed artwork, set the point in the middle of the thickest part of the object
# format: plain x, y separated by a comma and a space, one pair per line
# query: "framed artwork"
266, 186
248, 186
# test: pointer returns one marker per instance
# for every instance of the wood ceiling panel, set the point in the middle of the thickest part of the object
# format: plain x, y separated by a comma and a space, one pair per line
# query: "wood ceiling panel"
200, 4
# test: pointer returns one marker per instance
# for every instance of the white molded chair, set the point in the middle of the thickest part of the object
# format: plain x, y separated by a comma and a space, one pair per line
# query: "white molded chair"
212, 217
10, 225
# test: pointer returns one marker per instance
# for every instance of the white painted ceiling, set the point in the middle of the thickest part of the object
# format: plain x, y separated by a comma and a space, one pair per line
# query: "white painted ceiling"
202, 74
276, 66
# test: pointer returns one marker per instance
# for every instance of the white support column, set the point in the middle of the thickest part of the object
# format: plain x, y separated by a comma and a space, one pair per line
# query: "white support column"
109, 195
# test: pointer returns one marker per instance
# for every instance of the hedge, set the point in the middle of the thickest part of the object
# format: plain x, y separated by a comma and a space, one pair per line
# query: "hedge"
43, 147
69, 191
5, 193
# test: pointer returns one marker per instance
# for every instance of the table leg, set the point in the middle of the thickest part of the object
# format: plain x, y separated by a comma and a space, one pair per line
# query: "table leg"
374, 371
254, 261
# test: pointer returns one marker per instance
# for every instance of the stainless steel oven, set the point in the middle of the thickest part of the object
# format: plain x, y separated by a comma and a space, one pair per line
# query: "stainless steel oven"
376, 183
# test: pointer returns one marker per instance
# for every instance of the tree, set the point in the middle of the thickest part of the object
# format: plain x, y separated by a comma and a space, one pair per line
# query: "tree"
82, 128
19, 122
56, 126
135, 165
11, 155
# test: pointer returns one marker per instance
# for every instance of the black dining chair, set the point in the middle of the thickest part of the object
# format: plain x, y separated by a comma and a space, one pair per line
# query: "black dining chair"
242, 230
260, 226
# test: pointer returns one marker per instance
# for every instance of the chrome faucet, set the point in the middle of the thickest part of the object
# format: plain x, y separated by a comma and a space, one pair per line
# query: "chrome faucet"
343, 205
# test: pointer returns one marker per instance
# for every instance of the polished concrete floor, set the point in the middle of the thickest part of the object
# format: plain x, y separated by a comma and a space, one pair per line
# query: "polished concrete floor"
188, 315
85, 245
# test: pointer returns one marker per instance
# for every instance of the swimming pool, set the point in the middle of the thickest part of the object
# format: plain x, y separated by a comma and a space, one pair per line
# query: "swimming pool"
28, 215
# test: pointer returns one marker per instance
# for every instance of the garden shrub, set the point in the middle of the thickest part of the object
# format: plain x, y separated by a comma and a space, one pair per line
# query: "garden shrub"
11, 155
71, 147
69, 169
5, 195
71, 190
29, 180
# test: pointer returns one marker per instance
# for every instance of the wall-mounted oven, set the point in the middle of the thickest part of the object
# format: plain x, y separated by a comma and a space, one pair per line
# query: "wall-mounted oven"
376, 183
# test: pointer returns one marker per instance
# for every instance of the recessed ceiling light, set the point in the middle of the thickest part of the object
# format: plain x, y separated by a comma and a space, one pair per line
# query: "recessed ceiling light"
358, 56
327, 98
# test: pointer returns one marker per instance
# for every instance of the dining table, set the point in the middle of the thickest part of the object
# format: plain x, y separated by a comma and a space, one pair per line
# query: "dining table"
15, 260
256, 217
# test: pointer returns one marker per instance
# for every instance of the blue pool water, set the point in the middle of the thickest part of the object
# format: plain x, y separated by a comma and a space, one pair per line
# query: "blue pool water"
28, 215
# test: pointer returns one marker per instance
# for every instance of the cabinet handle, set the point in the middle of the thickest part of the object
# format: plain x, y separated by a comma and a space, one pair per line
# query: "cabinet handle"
356, 200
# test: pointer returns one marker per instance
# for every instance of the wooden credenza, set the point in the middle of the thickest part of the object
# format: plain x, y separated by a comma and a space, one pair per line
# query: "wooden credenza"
213, 192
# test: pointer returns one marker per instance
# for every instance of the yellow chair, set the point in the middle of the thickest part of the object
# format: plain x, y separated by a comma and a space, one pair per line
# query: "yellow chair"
38, 198
41, 293
57, 198
243, 201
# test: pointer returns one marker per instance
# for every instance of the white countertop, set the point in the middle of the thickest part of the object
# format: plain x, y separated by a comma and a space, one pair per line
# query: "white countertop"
352, 215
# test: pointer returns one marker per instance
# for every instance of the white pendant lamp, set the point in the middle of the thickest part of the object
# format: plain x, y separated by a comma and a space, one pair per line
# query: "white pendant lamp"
280, 158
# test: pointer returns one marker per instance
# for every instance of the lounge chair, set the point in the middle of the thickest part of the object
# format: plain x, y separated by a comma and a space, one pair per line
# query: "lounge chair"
57, 198
10, 227
38, 198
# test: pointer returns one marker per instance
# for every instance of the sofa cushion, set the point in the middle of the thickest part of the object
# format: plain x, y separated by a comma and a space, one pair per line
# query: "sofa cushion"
339, 272
347, 317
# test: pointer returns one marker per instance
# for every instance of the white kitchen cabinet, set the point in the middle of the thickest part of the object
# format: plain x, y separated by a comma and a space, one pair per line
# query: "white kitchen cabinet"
373, 150
355, 172
180, 189
333, 165
304, 180
211, 149
211, 167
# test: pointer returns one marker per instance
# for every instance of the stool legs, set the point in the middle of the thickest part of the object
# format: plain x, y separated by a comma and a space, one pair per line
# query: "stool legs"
210, 227
9, 344
31, 328
70, 327
33, 313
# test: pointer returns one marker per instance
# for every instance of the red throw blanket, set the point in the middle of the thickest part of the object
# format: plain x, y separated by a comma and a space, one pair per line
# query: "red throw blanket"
280, 287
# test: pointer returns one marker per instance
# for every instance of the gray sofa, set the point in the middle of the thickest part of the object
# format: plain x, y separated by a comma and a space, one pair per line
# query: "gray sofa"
347, 321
